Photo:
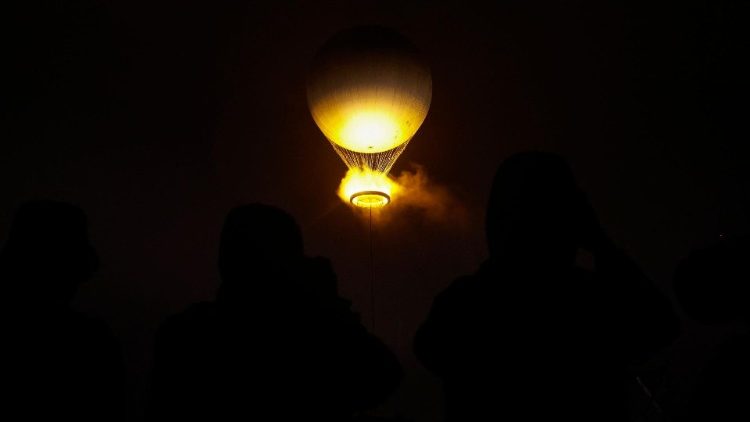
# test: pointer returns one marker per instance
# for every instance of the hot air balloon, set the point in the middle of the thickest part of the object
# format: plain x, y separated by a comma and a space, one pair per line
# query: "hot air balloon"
369, 91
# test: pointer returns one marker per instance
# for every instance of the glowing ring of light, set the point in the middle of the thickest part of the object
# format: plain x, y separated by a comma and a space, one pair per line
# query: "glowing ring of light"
370, 199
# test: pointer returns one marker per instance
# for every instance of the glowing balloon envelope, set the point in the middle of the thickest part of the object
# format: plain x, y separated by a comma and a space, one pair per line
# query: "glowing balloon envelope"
369, 92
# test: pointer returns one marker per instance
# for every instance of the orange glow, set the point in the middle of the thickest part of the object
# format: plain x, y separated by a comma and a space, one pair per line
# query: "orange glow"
367, 188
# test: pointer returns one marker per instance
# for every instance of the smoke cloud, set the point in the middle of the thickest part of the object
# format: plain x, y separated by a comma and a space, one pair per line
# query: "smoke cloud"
415, 194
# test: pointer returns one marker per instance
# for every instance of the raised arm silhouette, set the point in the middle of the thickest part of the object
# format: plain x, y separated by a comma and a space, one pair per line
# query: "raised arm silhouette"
278, 343
530, 335
58, 364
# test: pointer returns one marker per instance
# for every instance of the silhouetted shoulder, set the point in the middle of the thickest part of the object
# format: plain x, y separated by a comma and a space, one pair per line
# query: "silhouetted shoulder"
195, 313
68, 330
193, 322
89, 327
461, 288
66, 360
439, 340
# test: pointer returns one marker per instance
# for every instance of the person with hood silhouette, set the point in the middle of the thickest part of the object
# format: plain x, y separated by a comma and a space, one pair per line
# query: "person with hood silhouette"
531, 335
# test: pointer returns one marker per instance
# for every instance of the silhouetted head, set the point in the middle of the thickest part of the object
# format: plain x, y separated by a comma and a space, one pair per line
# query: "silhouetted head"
258, 241
532, 212
48, 253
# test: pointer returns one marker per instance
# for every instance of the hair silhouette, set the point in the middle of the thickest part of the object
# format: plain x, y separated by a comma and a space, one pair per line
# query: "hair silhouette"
531, 335
58, 363
278, 342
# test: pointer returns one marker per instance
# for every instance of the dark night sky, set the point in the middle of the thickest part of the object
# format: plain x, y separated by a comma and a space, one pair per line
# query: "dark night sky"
157, 119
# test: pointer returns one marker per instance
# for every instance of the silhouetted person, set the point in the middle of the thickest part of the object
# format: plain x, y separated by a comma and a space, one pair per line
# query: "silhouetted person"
57, 364
713, 287
277, 344
531, 336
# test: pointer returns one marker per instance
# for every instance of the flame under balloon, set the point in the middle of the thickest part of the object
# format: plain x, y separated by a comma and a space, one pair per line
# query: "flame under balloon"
367, 188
